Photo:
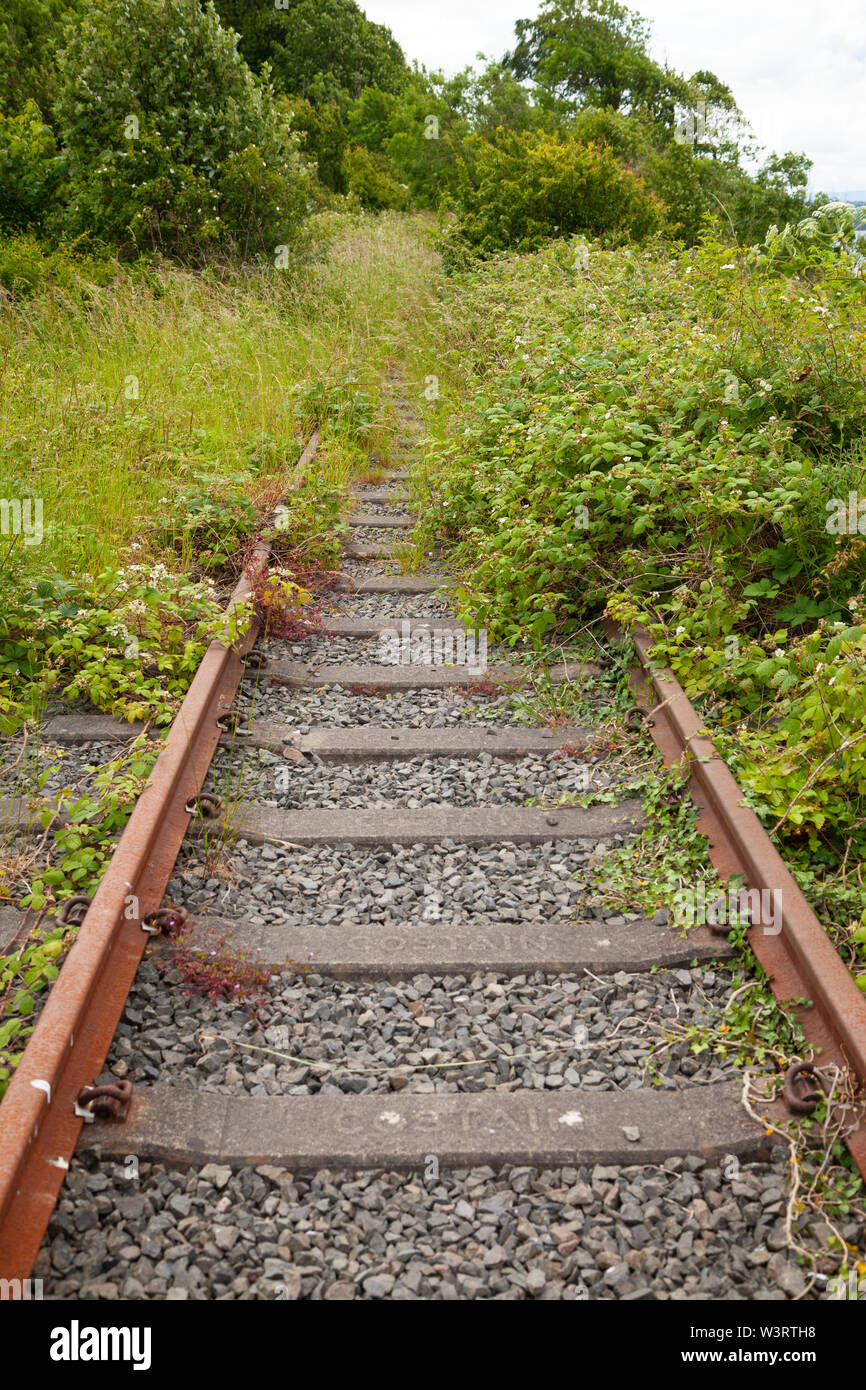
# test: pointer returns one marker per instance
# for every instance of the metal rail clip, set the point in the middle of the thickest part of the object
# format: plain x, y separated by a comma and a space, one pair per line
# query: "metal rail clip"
800, 1091
109, 1102
73, 912
165, 921
636, 718
207, 806
255, 661
234, 722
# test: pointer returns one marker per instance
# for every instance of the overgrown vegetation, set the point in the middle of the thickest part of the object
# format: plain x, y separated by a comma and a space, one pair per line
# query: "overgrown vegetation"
159, 421
675, 439
652, 401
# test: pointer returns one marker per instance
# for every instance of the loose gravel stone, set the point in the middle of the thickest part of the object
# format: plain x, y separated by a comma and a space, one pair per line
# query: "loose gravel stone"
379, 508
322, 648
362, 536
340, 707
361, 605
65, 767
315, 1035
539, 780
397, 883
682, 1230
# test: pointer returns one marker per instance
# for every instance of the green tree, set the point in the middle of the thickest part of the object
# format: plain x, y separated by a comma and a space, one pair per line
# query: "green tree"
29, 33
306, 39
493, 98
324, 137
29, 169
335, 37
748, 204
418, 130
258, 25
170, 140
593, 52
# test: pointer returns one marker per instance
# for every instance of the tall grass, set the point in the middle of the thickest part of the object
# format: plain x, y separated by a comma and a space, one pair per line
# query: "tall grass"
114, 401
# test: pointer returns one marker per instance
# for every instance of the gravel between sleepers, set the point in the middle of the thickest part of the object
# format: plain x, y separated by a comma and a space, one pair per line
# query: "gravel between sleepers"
258, 775
386, 650
378, 509
70, 767
361, 605
337, 707
378, 535
315, 1035
683, 1230
349, 883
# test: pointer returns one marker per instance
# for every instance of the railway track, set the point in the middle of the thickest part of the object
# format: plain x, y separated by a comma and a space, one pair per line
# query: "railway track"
443, 1090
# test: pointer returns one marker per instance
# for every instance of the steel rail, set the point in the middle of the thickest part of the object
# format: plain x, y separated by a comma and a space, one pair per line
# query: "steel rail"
800, 960
39, 1118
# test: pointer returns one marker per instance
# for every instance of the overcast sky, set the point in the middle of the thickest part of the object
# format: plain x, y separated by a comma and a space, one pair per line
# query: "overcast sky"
797, 70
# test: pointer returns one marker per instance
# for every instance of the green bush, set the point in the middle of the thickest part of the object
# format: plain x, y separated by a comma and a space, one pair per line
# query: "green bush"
368, 177
27, 266
29, 31
324, 138
29, 168
523, 189
171, 141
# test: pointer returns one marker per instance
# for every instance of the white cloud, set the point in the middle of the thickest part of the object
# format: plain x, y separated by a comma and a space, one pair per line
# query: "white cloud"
797, 72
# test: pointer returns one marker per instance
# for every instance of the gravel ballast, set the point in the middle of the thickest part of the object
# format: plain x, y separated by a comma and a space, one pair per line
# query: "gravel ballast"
447, 882
259, 775
313, 1035
387, 650
682, 1230
341, 707
361, 605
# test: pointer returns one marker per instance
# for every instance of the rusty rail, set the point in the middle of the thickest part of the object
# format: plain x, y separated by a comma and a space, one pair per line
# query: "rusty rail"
40, 1117
800, 959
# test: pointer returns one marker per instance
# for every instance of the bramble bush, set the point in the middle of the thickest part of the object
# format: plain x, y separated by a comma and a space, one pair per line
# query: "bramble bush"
671, 438
129, 641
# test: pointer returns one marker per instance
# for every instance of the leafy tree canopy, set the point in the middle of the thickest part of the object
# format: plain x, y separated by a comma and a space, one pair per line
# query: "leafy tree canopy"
29, 33
594, 52
310, 38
